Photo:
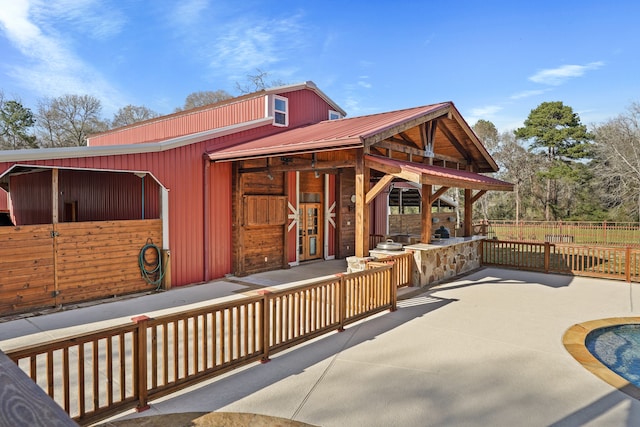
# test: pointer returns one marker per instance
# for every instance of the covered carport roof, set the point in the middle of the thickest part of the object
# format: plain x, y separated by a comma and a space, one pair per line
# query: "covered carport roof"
20, 169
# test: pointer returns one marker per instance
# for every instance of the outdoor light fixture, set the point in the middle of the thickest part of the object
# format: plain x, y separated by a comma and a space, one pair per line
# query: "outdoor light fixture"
317, 174
428, 150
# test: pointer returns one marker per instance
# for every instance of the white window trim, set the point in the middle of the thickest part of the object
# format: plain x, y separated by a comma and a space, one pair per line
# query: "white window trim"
273, 110
336, 113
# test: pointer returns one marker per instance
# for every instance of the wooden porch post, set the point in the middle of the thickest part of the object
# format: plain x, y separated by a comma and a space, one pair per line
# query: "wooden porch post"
468, 212
426, 213
362, 208
54, 196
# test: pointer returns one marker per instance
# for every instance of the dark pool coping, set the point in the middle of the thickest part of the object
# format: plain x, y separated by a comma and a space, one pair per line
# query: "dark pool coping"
574, 340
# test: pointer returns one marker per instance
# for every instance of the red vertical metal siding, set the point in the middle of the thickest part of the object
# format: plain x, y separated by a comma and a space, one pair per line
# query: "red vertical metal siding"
31, 199
4, 201
177, 125
108, 196
181, 171
306, 107
380, 213
220, 220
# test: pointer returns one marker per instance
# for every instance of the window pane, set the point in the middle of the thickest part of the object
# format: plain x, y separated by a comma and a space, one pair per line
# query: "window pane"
280, 105
281, 118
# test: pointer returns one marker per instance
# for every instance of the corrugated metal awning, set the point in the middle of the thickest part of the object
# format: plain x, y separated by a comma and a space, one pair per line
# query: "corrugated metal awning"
328, 135
435, 175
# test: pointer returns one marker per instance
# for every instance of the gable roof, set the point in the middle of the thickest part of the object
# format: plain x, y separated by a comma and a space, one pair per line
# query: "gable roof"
364, 131
309, 85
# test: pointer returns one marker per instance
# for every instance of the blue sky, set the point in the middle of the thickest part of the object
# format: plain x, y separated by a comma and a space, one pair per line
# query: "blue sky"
496, 60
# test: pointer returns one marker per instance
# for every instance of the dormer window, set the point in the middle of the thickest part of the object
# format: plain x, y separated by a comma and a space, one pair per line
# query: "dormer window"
334, 115
280, 111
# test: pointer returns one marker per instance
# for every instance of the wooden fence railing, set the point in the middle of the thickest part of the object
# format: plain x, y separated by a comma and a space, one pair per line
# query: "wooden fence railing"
581, 232
608, 262
95, 375
402, 270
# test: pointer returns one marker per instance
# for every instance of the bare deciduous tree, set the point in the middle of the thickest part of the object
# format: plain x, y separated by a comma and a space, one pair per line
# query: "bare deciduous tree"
204, 97
617, 159
68, 120
132, 114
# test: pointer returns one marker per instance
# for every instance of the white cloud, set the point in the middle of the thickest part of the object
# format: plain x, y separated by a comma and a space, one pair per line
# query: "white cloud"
557, 76
188, 11
486, 111
50, 67
528, 93
246, 45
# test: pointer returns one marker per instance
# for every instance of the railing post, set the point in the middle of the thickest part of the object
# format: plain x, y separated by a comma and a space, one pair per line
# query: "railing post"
265, 325
140, 352
547, 256
342, 301
393, 297
627, 264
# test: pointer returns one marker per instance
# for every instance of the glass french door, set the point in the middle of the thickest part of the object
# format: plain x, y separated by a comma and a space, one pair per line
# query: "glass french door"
310, 240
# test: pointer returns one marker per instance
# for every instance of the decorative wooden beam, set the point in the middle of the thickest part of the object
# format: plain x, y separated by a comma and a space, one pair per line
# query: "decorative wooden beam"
478, 195
377, 189
454, 141
437, 194
394, 130
306, 166
393, 145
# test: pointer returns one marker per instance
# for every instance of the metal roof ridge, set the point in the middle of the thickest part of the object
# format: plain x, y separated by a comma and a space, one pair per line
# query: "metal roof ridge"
31, 154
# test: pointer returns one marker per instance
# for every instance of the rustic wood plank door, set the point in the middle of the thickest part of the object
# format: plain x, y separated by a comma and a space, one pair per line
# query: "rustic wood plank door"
310, 234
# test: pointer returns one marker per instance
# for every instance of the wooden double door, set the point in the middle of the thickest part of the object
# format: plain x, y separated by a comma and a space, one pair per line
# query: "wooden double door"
310, 236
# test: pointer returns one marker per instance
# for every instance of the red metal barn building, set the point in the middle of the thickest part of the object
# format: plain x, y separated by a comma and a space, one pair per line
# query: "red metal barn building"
255, 183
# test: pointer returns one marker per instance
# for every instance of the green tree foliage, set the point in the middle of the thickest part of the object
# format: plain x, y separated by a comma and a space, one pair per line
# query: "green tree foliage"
554, 131
15, 124
205, 97
68, 120
131, 114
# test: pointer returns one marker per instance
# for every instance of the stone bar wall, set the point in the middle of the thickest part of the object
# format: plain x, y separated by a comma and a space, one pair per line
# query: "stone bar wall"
435, 263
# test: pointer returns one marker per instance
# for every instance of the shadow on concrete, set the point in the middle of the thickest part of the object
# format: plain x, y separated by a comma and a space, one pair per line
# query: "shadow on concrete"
226, 389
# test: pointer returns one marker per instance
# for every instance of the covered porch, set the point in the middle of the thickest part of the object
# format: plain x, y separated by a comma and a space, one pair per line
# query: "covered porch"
349, 162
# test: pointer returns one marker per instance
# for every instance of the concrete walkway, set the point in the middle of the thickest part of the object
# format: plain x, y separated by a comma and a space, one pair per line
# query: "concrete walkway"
485, 350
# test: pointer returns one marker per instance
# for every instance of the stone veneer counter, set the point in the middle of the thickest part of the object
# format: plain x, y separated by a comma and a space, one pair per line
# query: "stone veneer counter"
444, 259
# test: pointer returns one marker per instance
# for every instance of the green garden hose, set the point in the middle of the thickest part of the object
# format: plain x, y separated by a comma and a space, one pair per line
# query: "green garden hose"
151, 271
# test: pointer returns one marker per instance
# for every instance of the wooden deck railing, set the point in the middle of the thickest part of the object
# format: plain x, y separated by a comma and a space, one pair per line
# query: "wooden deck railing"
95, 375
402, 270
582, 232
608, 262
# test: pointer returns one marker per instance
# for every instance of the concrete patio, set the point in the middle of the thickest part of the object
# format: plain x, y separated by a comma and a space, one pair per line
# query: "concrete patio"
484, 350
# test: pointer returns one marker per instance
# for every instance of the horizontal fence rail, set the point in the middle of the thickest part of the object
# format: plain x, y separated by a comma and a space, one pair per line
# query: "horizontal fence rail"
93, 376
579, 232
607, 262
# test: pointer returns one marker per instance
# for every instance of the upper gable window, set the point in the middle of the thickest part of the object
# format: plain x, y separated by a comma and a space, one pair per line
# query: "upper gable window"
334, 115
280, 111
